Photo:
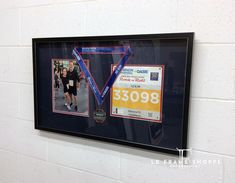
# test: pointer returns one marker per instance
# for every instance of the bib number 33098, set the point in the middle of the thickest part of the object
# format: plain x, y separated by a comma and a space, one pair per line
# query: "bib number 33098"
136, 96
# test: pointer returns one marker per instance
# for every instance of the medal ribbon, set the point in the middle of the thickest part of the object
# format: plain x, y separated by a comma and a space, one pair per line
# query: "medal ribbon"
100, 95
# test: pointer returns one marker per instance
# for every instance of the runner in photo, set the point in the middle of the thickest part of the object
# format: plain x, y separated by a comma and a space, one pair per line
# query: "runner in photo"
70, 90
73, 77
65, 82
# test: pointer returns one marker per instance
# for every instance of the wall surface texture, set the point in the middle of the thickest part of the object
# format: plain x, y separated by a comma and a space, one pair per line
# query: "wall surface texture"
31, 156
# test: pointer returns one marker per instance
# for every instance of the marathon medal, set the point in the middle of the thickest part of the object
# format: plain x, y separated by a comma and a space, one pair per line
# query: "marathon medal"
99, 114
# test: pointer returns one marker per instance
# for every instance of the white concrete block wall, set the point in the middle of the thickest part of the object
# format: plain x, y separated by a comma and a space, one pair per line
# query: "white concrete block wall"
27, 155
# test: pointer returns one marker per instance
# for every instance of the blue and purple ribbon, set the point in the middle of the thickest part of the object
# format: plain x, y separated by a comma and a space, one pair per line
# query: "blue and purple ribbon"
100, 95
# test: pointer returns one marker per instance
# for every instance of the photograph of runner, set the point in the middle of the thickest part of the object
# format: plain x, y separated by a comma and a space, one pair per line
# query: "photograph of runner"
70, 90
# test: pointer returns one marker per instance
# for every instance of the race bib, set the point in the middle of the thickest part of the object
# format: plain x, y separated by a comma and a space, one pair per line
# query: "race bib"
137, 93
71, 83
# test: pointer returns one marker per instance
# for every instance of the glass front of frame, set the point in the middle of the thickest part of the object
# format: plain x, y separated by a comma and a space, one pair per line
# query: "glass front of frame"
131, 90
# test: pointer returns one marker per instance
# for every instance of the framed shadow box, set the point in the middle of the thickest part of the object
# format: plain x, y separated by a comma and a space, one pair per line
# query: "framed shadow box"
131, 90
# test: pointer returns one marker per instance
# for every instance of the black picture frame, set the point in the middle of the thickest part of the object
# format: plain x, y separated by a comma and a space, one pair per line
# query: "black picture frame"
50, 46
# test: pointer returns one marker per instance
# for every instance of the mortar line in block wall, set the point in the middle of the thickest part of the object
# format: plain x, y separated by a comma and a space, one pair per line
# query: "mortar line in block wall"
213, 99
214, 43
15, 46
20, 27
7, 151
52, 163
47, 150
120, 161
81, 170
21, 154
214, 153
223, 172
16, 83
73, 2
28, 6
24, 119
221, 156
52, 4
59, 164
